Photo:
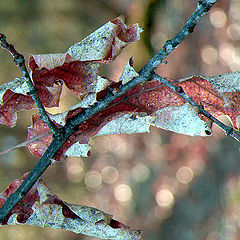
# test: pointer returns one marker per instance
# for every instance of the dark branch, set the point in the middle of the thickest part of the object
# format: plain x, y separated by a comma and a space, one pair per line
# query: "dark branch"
20, 62
202, 8
72, 124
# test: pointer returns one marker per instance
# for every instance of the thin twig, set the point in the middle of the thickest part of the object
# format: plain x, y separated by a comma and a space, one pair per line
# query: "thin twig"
24, 144
178, 89
72, 124
20, 62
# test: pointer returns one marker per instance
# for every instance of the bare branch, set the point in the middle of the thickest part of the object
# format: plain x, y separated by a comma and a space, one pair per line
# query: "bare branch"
203, 7
73, 123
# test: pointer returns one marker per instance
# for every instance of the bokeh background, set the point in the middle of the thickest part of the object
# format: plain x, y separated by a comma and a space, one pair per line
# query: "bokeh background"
174, 187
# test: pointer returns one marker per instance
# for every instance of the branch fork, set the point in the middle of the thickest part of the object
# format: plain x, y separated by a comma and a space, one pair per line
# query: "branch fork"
61, 135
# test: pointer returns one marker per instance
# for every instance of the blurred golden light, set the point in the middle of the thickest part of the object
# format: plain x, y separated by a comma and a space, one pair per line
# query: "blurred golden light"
74, 169
140, 172
230, 56
123, 193
218, 18
209, 54
226, 52
235, 9
93, 180
109, 175
184, 175
233, 31
164, 198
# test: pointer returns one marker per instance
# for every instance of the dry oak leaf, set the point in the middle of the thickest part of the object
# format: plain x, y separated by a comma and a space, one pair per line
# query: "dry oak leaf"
13, 98
77, 68
41, 207
148, 104
219, 95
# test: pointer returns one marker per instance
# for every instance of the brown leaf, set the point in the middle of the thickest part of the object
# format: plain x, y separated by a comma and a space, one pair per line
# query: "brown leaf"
150, 104
77, 69
40, 207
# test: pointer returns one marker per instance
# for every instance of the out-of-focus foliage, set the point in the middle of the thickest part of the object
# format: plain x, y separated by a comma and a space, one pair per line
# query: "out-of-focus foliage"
172, 186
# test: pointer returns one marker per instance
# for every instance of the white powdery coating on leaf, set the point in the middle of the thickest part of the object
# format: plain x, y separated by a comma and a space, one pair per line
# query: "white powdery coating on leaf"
183, 119
99, 85
127, 124
78, 150
49, 61
238, 120
89, 213
95, 46
229, 82
18, 85
59, 118
128, 73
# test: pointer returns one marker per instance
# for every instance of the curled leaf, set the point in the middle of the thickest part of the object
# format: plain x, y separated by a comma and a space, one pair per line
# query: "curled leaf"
77, 69
41, 207
149, 104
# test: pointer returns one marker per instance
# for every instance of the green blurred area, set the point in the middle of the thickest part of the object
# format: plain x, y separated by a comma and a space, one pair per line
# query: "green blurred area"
169, 185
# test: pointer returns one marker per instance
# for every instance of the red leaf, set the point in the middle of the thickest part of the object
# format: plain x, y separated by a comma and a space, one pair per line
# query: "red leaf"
39, 129
148, 104
77, 68
13, 98
219, 94
13, 103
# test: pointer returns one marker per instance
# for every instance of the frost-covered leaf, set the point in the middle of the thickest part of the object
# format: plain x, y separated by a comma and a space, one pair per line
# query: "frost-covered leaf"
41, 207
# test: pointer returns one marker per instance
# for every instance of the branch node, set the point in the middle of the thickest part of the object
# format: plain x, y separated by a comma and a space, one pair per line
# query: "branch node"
19, 59
179, 89
2, 37
208, 132
205, 4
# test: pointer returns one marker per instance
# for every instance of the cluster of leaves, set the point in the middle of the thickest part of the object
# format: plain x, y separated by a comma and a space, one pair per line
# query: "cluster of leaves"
151, 103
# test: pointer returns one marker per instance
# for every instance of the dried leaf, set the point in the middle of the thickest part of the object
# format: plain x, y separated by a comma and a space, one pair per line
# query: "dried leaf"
77, 68
13, 98
150, 104
40, 207
219, 95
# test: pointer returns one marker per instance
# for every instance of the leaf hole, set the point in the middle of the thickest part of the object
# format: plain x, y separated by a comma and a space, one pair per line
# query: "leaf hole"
208, 132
